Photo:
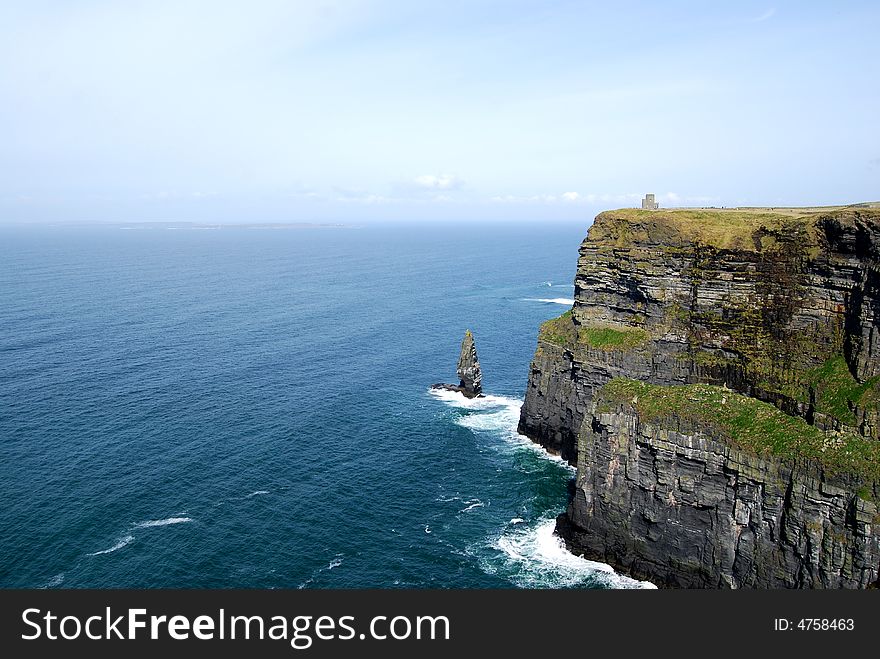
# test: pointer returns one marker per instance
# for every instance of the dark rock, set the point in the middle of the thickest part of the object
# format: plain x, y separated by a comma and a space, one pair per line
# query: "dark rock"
758, 303
469, 373
686, 509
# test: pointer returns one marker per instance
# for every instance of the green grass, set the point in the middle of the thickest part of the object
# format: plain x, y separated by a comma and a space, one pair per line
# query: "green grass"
705, 358
719, 228
606, 338
559, 331
756, 229
836, 390
748, 423
563, 332
865, 493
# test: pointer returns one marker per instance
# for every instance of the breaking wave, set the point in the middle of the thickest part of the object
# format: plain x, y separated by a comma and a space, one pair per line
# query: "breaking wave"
499, 414
122, 542
471, 506
528, 552
162, 522
533, 556
129, 538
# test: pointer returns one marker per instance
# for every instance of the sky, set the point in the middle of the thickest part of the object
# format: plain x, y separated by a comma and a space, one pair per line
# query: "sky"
417, 111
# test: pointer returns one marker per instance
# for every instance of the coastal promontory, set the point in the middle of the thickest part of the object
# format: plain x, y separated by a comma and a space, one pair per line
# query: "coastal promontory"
717, 386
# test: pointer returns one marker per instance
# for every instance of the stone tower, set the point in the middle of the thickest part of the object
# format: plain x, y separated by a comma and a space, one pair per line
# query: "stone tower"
649, 204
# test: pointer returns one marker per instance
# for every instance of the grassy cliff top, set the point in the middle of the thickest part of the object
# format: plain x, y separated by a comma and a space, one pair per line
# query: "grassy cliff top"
748, 423
562, 331
724, 228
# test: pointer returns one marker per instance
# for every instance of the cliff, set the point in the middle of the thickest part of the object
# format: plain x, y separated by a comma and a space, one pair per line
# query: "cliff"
767, 318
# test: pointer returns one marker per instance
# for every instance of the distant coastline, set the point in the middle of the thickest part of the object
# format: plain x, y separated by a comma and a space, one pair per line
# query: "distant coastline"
221, 225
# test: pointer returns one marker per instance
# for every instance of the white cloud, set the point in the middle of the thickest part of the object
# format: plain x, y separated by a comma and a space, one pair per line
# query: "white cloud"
674, 199
606, 200
439, 182
570, 197
361, 197
770, 13
533, 199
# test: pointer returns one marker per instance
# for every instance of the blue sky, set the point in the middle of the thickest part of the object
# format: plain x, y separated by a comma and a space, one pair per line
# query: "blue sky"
357, 111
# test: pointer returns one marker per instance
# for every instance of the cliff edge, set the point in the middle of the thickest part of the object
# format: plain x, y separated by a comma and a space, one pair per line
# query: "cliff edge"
717, 385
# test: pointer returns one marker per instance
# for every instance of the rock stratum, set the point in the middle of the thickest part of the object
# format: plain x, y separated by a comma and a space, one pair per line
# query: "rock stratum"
469, 373
717, 386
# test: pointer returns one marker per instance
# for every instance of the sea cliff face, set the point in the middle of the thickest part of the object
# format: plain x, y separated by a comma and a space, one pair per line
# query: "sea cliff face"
768, 320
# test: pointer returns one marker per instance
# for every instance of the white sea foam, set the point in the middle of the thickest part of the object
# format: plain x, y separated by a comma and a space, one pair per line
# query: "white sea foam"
127, 539
55, 581
475, 504
122, 542
336, 562
503, 420
524, 442
529, 553
162, 522
536, 557
257, 493
551, 300
458, 399
498, 414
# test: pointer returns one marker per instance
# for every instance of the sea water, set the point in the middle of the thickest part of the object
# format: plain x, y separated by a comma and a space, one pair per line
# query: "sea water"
251, 407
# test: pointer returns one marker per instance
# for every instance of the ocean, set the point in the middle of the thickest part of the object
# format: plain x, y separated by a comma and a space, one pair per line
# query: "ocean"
251, 408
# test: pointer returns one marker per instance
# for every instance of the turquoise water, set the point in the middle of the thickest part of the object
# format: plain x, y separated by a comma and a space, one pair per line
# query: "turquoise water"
251, 408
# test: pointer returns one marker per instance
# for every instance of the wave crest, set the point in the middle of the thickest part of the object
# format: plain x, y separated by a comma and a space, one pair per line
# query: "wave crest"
529, 553
162, 522
122, 542
535, 557
499, 414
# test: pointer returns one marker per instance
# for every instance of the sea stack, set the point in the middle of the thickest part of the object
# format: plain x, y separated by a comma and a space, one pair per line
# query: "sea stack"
469, 368
469, 373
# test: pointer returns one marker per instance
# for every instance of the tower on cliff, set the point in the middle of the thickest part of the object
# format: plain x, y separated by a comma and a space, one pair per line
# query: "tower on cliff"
649, 204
